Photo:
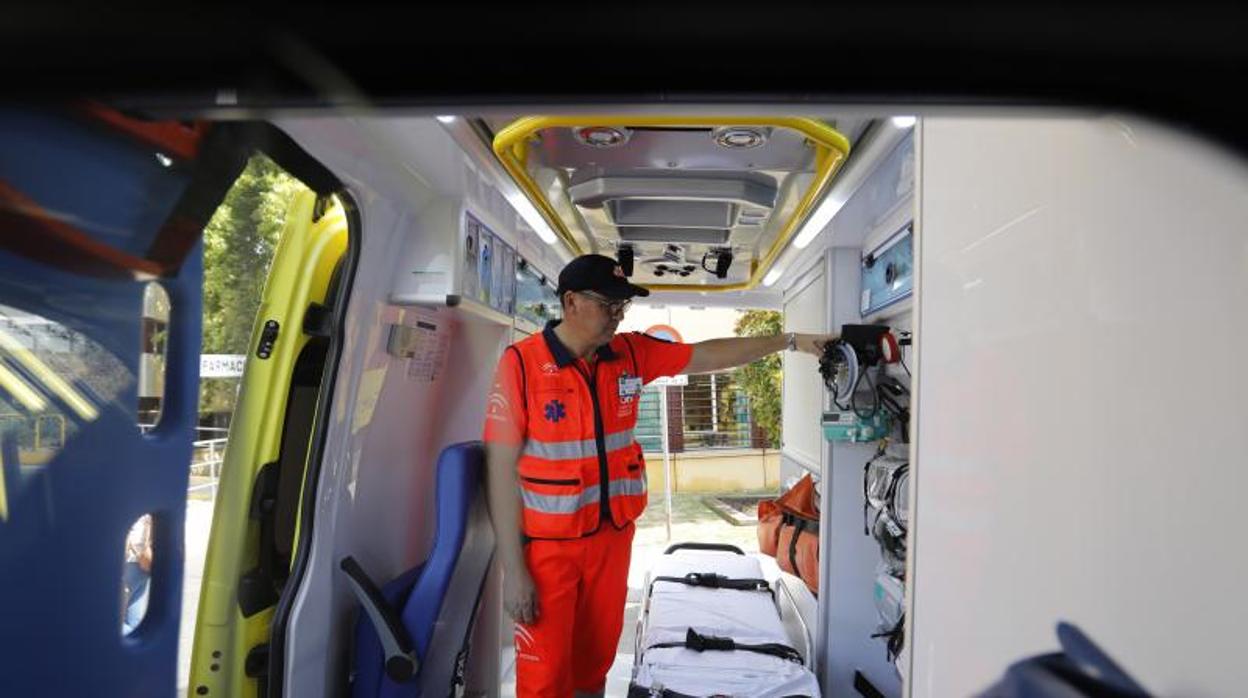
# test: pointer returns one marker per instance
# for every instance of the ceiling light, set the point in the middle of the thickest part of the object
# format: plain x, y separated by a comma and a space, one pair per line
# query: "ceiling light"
164, 160
772, 277
543, 229
445, 119
529, 213
904, 121
818, 220
739, 138
601, 136
877, 143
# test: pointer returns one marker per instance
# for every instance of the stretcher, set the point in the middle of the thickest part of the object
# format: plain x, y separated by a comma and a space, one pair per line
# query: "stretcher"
711, 624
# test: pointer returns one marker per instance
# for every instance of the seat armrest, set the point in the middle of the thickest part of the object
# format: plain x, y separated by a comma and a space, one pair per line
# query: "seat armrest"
401, 663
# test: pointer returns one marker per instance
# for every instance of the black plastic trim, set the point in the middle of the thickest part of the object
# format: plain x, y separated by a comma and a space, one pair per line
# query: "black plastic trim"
604, 476
401, 662
257, 588
864, 686
722, 547
256, 666
318, 321
548, 481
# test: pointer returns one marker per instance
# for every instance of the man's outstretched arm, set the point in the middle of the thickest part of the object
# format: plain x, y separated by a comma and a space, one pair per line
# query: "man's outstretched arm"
730, 352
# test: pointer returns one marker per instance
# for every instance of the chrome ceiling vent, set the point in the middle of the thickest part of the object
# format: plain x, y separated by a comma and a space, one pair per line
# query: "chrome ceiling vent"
739, 137
602, 136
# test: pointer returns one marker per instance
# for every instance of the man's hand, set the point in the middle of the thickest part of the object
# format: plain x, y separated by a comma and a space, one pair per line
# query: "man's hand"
519, 595
813, 343
503, 495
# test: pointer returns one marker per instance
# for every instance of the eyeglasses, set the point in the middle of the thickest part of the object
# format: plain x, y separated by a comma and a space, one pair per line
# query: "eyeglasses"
613, 307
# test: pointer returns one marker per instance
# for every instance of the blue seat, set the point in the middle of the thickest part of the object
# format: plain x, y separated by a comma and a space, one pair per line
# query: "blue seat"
413, 633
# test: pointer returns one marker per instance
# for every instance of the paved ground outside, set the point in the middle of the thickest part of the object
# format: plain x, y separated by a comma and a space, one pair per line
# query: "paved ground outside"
198, 526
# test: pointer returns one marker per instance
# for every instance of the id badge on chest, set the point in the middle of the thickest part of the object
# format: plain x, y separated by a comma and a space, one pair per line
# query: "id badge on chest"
628, 388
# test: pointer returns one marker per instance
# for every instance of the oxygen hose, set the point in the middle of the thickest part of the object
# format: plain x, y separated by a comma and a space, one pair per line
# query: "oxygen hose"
839, 358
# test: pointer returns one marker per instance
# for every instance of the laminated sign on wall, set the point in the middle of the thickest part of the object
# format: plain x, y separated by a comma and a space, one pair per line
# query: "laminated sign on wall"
422, 340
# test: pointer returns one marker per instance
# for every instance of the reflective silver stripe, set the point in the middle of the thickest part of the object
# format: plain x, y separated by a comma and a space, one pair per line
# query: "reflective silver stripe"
625, 486
576, 450
618, 440
559, 503
561, 450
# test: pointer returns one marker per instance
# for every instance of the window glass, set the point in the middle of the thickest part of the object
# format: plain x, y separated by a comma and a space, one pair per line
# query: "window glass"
154, 333
136, 574
53, 379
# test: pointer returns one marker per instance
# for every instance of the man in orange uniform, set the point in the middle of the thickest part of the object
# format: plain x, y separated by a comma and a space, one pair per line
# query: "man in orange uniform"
566, 479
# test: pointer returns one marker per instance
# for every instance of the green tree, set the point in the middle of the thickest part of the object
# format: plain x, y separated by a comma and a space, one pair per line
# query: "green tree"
761, 379
239, 242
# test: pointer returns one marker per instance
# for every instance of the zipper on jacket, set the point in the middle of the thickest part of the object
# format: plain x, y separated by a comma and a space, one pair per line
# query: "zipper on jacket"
600, 439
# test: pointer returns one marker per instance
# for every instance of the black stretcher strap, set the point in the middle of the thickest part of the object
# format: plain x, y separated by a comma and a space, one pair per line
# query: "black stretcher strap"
718, 547
710, 643
637, 691
714, 581
800, 525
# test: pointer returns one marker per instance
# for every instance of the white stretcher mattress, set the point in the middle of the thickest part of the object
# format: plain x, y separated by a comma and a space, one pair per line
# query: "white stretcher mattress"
745, 616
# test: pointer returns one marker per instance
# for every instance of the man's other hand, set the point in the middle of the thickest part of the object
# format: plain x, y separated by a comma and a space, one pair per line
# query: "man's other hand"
520, 596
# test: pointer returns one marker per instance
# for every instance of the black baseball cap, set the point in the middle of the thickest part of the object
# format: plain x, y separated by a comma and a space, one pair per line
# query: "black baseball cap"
598, 273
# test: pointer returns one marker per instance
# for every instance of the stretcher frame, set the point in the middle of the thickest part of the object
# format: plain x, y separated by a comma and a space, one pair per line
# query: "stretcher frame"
798, 631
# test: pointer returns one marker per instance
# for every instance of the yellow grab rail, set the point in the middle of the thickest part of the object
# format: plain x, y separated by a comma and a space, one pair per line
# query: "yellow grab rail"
511, 145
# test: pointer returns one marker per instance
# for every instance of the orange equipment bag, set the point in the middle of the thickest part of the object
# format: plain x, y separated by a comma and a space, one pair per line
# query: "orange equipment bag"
788, 530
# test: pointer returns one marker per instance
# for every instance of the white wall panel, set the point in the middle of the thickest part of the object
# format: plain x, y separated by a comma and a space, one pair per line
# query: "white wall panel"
376, 492
1081, 425
805, 310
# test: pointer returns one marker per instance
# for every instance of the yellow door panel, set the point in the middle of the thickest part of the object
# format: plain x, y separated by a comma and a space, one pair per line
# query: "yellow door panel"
237, 599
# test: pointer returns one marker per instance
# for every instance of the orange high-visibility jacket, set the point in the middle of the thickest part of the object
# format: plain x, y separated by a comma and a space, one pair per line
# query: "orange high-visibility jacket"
580, 464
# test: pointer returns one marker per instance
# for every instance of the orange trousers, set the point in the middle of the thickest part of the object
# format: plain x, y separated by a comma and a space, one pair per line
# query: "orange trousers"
582, 585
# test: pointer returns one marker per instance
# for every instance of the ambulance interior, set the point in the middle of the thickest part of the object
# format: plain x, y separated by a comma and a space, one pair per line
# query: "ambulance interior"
1043, 274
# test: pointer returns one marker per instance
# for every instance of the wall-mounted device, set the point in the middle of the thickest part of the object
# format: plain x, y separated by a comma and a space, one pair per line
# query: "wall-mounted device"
848, 425
865, 410
886, 493
839, 367
888, 272
844, 361
874, 344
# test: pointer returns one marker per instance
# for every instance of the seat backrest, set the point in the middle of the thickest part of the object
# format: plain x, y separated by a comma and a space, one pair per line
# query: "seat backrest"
460, 468
436, 601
